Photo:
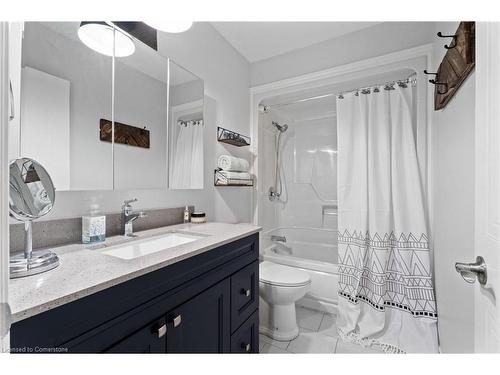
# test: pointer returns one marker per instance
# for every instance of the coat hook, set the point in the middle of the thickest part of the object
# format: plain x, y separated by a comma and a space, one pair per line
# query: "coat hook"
426, 72
450, 46
434, 82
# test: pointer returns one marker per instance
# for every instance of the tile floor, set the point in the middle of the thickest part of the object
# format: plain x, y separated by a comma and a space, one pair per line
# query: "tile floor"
318, 334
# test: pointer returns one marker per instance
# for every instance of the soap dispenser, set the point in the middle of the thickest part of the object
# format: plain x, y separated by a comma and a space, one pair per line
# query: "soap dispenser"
93, 226
186, 214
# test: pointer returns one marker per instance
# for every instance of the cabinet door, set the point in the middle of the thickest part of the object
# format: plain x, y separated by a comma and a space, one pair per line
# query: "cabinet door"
201, 325
149, 339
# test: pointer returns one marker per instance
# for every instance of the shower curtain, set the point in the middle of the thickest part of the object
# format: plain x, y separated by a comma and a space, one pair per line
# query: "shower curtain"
188, 156
386, 294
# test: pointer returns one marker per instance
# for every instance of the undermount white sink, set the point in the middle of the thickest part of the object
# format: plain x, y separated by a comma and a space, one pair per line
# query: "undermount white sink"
139, 248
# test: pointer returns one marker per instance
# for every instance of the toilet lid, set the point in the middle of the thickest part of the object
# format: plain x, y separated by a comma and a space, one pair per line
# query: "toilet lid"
277, 274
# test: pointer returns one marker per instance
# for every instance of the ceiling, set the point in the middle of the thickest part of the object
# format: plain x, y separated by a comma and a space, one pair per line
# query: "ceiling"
261, 40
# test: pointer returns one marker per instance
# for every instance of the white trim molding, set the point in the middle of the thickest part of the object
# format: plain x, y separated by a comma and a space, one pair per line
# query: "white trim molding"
4, 176
416, 59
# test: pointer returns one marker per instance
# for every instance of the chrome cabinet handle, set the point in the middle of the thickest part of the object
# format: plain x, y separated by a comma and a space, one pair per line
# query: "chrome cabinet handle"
162, 331
12, 107
177, 320
246, 292
472, 271
247, 347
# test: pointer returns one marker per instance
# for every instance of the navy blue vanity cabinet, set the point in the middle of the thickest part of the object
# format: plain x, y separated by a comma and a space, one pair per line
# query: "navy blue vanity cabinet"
202, 324
204, 304
149, 339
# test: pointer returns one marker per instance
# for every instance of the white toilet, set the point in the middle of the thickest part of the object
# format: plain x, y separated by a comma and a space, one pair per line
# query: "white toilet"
280, 287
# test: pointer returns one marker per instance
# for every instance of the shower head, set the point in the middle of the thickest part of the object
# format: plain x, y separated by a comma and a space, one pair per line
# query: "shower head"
281, 128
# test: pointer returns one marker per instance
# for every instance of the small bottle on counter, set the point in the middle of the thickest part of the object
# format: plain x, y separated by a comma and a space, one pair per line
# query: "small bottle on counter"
186, 215
198, 217
93, 226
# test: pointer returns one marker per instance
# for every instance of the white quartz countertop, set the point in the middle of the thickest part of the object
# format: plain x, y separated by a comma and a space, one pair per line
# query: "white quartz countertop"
85, 270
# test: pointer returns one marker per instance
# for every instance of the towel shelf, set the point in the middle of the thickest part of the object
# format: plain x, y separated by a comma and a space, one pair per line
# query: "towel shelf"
232, 138
221, 180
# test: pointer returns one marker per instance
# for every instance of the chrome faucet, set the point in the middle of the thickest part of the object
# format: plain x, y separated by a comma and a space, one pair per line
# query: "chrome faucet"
278, 238
128, 216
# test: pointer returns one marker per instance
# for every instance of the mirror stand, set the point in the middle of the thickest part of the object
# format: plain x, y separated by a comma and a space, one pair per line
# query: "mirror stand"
31, 262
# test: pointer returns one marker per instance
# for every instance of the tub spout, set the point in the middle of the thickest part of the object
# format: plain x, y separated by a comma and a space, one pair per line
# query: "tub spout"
278, 239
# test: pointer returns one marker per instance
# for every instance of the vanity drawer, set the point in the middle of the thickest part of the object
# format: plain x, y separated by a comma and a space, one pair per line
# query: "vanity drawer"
244, 294
246, 338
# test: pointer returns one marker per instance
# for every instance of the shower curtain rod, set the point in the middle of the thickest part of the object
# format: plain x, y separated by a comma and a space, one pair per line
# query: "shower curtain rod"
411, 79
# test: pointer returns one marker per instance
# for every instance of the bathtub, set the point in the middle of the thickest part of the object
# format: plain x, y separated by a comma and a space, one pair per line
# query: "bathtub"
313, 251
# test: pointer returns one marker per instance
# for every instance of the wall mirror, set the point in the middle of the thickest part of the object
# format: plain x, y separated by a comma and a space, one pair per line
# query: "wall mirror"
141, 128
186, 128
141, 107
66, 88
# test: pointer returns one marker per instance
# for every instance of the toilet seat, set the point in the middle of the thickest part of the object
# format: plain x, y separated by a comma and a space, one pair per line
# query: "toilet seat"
279, 275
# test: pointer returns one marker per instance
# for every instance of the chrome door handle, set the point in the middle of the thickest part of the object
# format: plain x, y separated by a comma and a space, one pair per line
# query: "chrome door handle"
472, 271
12, 107
247, 347
162, 331
246, 292
177, 320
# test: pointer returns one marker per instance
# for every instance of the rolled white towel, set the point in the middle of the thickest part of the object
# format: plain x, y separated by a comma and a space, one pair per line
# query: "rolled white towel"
236, 175
233, 164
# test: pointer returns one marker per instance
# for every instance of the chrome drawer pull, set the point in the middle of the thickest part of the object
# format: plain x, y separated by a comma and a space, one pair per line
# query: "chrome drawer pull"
247, 347
177, 320
162, 330
246, 292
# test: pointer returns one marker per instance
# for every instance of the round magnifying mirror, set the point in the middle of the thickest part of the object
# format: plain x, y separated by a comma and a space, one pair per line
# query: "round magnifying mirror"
31, 195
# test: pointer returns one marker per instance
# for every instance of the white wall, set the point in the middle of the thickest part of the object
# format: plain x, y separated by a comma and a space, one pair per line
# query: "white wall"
374, 41
45, 117
453, 208
226, 74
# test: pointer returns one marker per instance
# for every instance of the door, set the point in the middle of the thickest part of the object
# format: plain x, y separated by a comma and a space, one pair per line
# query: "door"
202, 324
4, 211
487, 187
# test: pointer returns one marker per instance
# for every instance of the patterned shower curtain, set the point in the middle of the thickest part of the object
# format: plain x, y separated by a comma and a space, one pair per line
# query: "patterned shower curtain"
386, 294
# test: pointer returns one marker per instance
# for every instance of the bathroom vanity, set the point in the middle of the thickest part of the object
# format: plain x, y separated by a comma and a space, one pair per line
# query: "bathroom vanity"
196, 297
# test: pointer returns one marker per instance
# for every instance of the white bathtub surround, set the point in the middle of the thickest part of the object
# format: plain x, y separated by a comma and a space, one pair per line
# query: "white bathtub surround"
386, 295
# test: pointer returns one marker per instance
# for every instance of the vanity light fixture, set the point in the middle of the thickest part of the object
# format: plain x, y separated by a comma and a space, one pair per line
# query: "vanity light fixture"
98, 35
171, 26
